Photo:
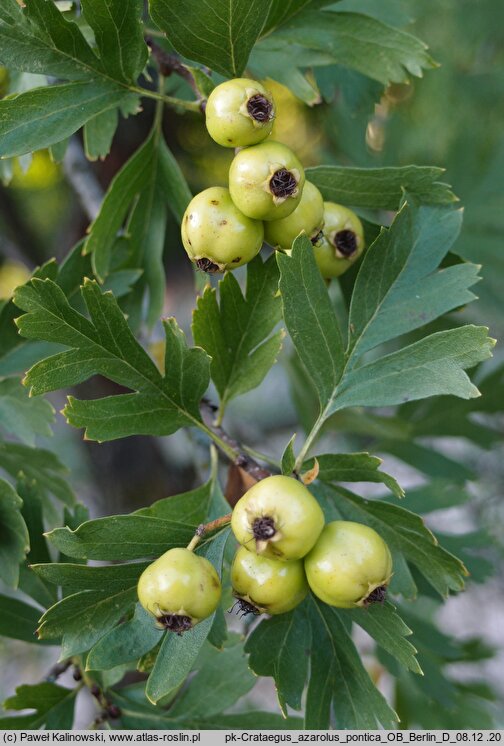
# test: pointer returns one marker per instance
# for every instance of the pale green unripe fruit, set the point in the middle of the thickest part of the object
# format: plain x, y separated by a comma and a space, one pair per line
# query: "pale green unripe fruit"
239, 112
342, 242
267, 585
349, 566
266, 181
216, 235
278, 518
307, 218
180, 589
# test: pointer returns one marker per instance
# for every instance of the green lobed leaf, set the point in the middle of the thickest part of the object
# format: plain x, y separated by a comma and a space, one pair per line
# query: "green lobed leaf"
32, 512
310, 318
37, 38
22, 416
432, 366
14, 543
98, 134
44, 116
354, 467
38, 465
236, 333
219, 35
280, 12
317, 38
399, 287
380, 188
191, 507
430, 461
338, 676
277, 647
18, 620
386, 627
289, 457
178, 653
118, 32
406, 533
80, 620
218, 685
110, 578
125, 643
53, 705
140, 714
105, 345
129, 182
121, 537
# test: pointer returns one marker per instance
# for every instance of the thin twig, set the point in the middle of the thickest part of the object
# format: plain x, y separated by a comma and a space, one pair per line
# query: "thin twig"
169, 63
57, 670
231, 447
206, 528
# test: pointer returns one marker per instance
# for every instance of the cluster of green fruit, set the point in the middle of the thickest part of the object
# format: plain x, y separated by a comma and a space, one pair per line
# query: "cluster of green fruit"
285, 550
268, 198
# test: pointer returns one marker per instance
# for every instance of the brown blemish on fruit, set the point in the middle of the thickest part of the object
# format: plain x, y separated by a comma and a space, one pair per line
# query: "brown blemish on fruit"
236, 260
223, 222
214, 201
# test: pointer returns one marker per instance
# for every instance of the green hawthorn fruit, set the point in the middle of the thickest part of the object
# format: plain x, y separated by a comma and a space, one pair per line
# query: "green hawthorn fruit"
239, 112
180, 589
216, 235
349, 566
307, 218
266, 181
267, 586
342, 242
278, 518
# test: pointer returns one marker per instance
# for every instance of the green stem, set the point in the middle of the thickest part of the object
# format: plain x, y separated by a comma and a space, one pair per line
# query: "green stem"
168, 100
311, 437
154, 32
262, 457
205, 528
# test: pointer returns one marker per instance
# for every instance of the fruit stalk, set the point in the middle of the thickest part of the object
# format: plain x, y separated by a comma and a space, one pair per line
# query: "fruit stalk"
205, 528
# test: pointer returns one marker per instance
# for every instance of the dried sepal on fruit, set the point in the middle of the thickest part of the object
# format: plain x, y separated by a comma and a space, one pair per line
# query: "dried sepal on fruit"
307, 218
267, 586
179, 589
278, 518
342, 241
349, 566
239, 112
266, 181
216, 235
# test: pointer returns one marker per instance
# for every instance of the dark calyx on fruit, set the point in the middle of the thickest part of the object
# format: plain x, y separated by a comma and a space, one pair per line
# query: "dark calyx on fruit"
283, 183
175, 623
263, 528
316, 238
244, 608
260, 108
207, 266
346, 242
378, 596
